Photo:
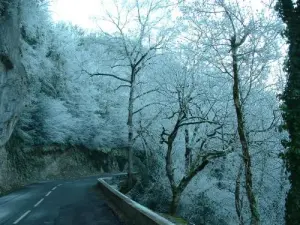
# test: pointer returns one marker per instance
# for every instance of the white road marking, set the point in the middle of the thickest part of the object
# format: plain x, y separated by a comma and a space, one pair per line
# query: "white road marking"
22, 217
39, 202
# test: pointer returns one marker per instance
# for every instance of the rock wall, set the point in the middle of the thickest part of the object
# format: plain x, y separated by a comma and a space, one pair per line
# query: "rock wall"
20, 164
13, 80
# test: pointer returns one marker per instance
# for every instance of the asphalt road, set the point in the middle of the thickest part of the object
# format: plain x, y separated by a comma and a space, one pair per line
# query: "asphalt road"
76, 202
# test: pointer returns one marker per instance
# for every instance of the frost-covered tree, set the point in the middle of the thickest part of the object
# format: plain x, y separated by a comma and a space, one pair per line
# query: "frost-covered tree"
190, 111
237, 39
140, 32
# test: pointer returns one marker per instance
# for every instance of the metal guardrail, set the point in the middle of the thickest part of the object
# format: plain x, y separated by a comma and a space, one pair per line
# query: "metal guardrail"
135, 212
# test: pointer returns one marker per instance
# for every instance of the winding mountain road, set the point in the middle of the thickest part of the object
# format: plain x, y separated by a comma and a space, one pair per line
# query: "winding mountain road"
75, 202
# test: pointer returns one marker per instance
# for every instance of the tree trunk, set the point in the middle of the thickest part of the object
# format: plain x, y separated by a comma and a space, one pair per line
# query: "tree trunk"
255, 218
238, 204
188, 152
176, 195
169, 166
188, 159
130, 135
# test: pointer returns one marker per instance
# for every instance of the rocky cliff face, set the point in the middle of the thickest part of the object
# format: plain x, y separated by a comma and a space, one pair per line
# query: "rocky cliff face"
13, 85
23, 164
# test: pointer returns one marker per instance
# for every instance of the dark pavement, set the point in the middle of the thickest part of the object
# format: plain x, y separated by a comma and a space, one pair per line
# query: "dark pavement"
76, 202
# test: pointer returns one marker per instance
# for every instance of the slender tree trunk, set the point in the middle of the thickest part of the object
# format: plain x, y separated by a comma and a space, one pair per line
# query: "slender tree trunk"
130, 134
238, 205
170, 175
255, 218
188, 152
176, 195
169, 167
170, 171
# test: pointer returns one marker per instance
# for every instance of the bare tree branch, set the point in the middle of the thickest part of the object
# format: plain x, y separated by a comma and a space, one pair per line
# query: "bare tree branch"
145, 93
145, 106
108, 75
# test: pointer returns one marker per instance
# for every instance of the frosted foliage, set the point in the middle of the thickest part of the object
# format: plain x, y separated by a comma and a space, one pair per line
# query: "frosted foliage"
214, 187
58, 122
65, 106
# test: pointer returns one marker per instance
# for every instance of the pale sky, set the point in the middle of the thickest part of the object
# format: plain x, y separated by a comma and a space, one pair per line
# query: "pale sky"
79, 12
83, 13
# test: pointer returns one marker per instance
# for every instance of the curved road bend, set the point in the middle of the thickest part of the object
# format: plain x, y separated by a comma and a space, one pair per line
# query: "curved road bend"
75, 202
